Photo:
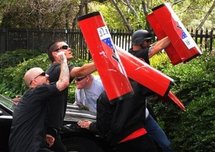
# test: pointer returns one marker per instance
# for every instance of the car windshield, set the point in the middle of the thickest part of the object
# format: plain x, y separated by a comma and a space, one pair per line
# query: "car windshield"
6, 102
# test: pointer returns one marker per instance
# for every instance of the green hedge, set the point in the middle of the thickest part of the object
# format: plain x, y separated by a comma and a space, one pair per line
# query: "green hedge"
12, 77
12, 58
194, 129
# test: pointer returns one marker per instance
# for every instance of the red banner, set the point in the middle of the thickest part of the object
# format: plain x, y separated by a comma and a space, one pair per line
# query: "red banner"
165, 22
105, 56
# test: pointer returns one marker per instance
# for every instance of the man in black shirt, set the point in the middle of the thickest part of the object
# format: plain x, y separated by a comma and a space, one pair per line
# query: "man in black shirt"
143, 49
57, 106
142, 46
28, 125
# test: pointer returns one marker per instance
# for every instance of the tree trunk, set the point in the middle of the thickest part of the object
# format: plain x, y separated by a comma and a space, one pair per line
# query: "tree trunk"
145, 11
128, 3
206, 16
80, 13
121, 14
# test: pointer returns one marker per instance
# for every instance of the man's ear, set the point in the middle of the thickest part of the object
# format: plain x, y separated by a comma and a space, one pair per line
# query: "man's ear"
33, 82
54, 54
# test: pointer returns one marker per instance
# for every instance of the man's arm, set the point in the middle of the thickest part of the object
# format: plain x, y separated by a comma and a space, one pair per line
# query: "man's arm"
158, 46
63, 80
82, 71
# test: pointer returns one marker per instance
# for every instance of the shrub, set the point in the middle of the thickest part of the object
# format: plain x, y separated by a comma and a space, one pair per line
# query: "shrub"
160, 61
194, 129
12, 58
12, 77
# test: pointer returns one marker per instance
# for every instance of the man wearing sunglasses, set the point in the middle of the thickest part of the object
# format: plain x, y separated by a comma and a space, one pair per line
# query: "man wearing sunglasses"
57, 107
28, 130
88, 89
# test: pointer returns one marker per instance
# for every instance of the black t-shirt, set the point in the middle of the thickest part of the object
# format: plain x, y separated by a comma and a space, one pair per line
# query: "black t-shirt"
141, 54
58, 102
27, 130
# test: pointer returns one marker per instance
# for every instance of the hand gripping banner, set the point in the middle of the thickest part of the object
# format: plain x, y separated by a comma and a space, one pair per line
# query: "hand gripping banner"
104, 54
165, 22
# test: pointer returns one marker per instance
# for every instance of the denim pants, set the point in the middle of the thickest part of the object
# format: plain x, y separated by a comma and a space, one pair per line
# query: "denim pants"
157, 134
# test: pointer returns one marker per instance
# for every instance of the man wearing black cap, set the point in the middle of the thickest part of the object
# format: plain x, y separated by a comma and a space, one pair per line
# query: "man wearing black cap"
143, 49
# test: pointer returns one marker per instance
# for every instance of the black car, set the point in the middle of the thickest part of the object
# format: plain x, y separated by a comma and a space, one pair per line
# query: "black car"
75, 138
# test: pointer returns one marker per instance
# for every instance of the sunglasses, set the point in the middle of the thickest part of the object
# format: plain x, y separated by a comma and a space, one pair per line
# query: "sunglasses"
64, 47
79, 79
41, 74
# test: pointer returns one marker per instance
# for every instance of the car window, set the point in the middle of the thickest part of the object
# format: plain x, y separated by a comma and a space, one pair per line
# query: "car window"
6, 101
6, 105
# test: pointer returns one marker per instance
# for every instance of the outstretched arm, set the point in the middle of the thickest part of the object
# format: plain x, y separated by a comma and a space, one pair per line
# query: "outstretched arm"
84, 70
158, 46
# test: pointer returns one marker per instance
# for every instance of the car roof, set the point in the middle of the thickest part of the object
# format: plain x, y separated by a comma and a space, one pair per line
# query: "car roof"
73, 113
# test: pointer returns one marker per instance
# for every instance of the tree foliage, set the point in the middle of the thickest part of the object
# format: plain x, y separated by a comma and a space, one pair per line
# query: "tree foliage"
39, 13
191, 12
121, 14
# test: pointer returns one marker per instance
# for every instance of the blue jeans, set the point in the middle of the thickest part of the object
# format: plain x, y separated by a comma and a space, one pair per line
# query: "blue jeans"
157, 134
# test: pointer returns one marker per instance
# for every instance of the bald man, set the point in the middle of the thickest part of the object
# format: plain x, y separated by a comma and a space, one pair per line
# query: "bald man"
28, 130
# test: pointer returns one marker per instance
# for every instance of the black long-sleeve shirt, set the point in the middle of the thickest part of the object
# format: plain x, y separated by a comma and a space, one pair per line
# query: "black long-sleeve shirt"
117, 120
